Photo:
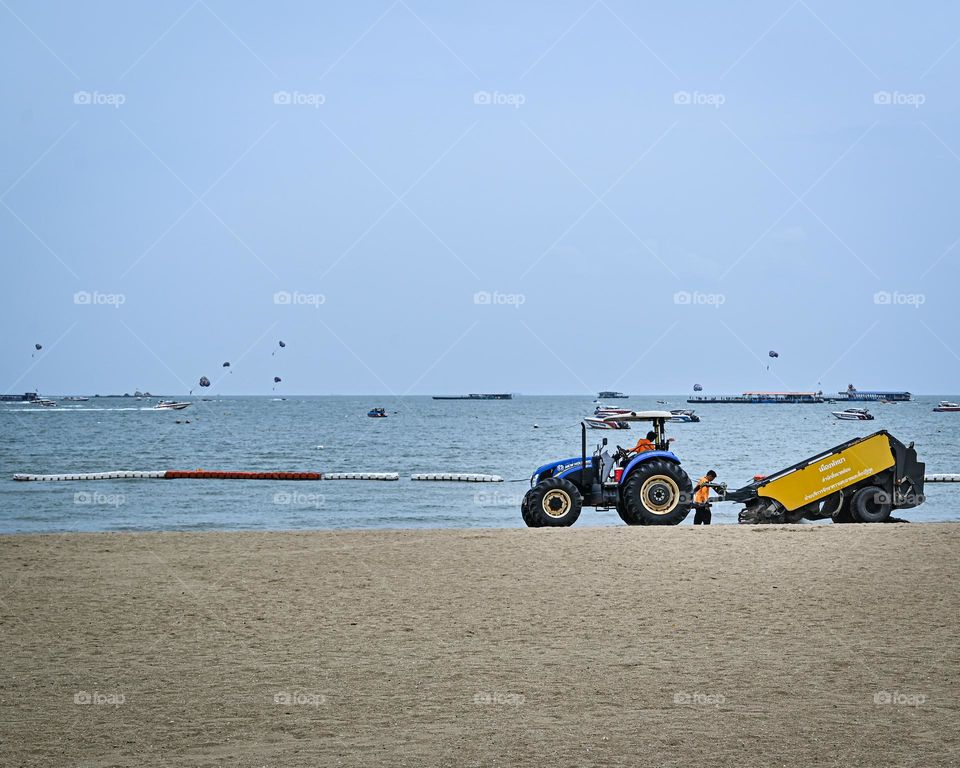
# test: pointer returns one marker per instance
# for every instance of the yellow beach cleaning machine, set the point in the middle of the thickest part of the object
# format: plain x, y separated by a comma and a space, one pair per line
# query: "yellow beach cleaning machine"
860, 481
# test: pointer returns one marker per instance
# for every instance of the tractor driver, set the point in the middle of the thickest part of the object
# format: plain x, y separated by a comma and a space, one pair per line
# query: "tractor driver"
647, 443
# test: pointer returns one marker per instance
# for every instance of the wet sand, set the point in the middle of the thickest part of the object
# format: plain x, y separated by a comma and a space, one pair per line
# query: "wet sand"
727, 646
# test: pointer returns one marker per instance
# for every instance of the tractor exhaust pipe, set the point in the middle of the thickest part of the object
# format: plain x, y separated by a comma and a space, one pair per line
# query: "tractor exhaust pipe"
583, 449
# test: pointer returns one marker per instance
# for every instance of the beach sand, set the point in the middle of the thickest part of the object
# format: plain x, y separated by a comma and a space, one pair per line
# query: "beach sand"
725, 646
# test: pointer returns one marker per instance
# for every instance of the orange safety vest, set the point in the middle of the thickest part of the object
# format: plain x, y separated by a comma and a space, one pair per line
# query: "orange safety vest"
644, 445
700, 497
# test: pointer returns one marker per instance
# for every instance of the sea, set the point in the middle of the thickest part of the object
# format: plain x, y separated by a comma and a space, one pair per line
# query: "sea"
510, 438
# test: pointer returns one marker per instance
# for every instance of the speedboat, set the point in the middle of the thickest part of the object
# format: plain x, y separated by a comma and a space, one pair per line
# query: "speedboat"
683, 416
377, 413
602, 410
76, 399
42, 401
599, 422
945, 406
854, 414
170, 405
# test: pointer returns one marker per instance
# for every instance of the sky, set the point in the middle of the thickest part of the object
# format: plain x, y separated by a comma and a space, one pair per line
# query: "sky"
426, 197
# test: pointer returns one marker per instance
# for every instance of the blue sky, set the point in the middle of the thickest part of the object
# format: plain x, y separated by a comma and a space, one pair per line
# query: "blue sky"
422, 198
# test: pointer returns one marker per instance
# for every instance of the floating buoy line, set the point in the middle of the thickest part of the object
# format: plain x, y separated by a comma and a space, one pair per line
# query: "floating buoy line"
206, 474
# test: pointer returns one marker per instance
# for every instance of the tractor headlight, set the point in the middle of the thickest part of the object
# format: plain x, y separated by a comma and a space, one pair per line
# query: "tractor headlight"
534, 480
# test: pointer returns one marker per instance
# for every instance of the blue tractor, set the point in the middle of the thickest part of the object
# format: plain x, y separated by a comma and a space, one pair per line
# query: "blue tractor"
647, 488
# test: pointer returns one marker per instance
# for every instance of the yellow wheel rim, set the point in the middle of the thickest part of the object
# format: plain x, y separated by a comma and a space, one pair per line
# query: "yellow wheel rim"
556, 503
660, 494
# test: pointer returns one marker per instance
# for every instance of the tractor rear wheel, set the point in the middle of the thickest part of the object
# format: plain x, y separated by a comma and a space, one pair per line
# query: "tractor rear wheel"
625, 514
870, 505
658, 492
554, 503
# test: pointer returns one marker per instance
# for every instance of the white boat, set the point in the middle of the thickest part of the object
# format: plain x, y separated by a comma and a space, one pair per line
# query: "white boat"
44, 402
76, 399
603, 410
170, 405
683, 416
597, 422
946, 406
854, 414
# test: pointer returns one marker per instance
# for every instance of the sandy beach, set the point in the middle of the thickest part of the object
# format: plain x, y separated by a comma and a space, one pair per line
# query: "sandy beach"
732, 646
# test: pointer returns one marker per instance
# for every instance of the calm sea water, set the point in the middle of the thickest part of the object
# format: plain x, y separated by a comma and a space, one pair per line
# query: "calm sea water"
330, 434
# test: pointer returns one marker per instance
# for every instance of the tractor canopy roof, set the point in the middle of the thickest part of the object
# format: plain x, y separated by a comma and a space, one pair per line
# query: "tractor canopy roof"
639, 416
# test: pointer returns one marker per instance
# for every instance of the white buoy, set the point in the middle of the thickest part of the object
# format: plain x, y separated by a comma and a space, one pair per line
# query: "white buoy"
117, 475
457, 477
361, 476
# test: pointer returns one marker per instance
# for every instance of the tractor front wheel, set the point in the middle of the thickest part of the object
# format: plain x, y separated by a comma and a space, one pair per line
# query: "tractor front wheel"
657, 492
525, 511
554, 503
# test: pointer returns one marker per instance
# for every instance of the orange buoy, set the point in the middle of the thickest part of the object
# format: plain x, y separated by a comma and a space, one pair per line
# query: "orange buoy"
206, 474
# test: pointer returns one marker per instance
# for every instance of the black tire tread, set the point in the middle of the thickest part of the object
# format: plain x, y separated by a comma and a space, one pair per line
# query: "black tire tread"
634, 507
535, 499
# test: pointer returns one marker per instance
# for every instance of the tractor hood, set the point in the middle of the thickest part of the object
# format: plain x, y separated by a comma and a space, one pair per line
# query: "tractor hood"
556, 468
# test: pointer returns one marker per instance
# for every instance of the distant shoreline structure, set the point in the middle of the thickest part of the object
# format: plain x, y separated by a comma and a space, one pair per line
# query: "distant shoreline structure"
791, 398
486, 396
26, 397
855, 395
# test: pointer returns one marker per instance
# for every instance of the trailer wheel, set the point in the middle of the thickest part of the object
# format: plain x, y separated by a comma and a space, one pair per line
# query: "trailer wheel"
555, 502
825, 508
656, 493
870, 505
525, 511
843, 514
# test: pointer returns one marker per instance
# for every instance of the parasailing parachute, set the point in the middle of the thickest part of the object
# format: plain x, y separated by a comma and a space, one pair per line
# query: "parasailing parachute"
773, 353
277, 379
37, 347
204, 381
698, 388
225, 365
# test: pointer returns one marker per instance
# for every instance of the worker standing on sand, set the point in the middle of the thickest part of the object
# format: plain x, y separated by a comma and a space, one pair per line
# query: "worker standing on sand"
700, 504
